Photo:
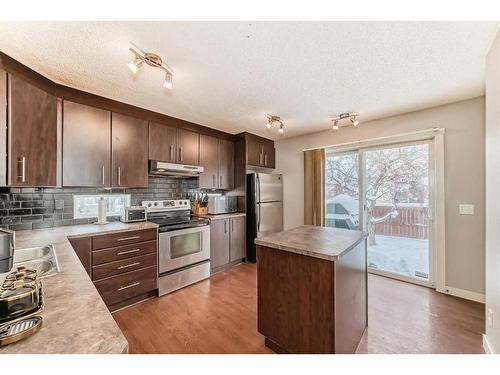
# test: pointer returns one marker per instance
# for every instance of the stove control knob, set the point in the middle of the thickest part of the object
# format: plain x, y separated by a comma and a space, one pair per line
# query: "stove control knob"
149, 204
156, 204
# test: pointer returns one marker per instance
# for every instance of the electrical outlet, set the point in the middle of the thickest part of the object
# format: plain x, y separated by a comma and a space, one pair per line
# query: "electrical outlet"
490, 318
466, 209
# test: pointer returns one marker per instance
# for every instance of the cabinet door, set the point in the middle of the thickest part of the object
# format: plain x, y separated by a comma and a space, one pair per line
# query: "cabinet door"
188, 147
209, 161
129, 147
219, 243
226, 164
238, 238
269, 154
254, 152
86, 145
81, 246
32, 128
162, 142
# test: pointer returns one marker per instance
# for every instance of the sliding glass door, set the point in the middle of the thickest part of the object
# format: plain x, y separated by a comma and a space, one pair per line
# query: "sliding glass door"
385, 191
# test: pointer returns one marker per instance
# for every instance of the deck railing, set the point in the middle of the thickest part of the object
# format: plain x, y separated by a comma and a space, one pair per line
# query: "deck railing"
412, 222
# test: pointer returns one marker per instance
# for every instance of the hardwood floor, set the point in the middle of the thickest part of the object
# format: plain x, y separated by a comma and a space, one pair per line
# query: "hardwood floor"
219, 315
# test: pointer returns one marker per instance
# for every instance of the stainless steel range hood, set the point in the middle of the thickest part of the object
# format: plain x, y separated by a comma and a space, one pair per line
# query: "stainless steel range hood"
176, 170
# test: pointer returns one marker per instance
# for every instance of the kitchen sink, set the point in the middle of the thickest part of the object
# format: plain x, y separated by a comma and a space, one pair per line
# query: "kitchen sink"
43, 259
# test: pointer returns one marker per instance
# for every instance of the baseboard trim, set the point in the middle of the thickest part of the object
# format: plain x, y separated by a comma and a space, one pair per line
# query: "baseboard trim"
466, 294
486, 345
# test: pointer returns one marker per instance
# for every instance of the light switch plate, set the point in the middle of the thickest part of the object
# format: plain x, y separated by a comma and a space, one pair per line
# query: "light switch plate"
466, 209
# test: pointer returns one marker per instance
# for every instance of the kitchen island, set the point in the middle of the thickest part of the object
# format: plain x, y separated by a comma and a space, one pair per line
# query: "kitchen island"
312, 289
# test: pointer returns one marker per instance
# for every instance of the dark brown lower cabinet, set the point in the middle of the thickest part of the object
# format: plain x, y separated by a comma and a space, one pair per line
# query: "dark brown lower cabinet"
227, 242
219, 243
83, 249
237, 238
123, 266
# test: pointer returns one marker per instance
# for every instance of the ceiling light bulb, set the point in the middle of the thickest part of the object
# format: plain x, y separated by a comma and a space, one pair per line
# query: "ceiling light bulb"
168, 84
268, 125
354, 121
335, 125
135, 65
281, 129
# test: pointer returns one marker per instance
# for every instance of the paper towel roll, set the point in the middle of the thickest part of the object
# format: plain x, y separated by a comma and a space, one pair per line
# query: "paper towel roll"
101, 212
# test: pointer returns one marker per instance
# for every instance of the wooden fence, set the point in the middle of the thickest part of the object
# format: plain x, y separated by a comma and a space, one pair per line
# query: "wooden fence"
411, 222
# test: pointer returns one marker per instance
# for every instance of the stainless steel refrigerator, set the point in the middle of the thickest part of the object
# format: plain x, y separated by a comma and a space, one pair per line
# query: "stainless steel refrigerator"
264, 208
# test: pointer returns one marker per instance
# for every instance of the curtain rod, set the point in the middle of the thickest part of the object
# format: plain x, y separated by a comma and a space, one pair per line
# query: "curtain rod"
386, 138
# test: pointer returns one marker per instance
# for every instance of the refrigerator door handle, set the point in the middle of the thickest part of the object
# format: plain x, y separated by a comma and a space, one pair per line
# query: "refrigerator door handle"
257, 187
258, 219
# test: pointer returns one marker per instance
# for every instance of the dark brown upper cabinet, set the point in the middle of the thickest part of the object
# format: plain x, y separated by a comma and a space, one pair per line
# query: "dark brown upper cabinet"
173, 145
226, 164
217, 159
162, 142
209, 179
86, 145
32, 135
188, 146
129, 147
260, 151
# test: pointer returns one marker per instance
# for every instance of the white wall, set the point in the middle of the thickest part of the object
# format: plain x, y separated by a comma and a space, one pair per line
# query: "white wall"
493, 193
464, 178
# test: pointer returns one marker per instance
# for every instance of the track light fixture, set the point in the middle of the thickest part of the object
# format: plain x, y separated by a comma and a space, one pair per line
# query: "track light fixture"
346, 115
152, 59
273, 120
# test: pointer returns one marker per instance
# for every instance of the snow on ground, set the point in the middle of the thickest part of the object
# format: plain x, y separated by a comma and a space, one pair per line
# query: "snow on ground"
399, 254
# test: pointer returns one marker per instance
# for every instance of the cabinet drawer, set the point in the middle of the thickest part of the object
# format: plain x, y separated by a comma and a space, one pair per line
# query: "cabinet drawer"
122, 238
122, 266
123, 252
128, 285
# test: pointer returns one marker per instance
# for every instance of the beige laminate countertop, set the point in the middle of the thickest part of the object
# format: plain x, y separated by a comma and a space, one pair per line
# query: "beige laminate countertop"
319, 242
75, 318
222, 216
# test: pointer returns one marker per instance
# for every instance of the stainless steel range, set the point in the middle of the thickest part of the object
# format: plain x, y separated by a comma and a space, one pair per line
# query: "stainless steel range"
184, 244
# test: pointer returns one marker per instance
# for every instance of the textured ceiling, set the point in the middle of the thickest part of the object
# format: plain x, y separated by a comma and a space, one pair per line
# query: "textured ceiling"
229, 75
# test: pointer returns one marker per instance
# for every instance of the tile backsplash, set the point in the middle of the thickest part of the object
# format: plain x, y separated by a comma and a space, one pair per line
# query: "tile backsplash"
35, 208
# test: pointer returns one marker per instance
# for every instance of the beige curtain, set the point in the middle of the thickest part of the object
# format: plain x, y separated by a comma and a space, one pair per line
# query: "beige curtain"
314, 187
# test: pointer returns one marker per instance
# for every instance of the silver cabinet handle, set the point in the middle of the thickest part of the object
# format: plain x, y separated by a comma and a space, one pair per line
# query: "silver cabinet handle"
220, 181
225, 226
128, 286
119, 176
128, 238
22, 161
232, 225
128, 265
265, 160
213, 180
128, 251
171, 153
180, 153
102, 173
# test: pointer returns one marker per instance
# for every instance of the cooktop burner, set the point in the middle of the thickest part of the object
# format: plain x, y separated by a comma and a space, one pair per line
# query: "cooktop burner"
172, 214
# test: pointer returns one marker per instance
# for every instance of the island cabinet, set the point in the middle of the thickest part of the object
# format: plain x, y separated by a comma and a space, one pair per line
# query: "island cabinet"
129, 157
32, 134
217, 159
172, 145
86, 145
122, 265
312, 290
227, 242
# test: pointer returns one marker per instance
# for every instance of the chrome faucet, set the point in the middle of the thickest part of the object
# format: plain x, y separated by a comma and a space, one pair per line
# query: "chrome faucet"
6, 250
